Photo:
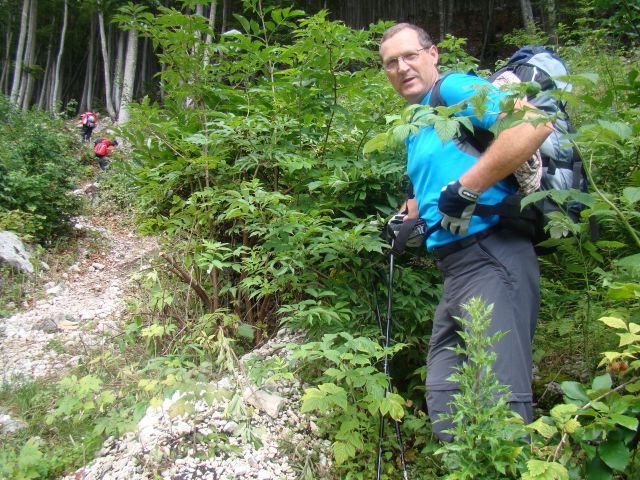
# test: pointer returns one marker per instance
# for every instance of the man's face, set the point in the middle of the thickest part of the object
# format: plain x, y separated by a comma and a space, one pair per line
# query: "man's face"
411, 79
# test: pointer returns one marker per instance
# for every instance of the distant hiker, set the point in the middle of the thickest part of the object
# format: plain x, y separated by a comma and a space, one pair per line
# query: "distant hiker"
88, 122
103, 148
476, 257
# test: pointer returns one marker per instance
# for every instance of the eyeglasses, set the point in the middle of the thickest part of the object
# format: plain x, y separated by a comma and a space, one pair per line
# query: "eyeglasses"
392, 64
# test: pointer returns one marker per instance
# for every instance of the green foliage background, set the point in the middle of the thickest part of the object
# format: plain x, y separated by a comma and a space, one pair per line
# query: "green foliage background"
37, 171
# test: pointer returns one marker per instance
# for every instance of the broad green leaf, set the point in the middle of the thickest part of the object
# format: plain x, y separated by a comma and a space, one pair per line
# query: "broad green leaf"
574, 391
379, 142
632, 195
633, 387
614, 322
598, 470
343, 451
623, 291
628, 422
628, 338
632, 261
619, 129
244, 330
401, 132
197, 139
615, 454
562, 412
396, 409
541, 470
602, 382
571, 425
313, 399
446, 129
543, 428
634, 327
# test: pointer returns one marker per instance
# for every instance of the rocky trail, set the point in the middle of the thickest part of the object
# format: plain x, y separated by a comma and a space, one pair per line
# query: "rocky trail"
81, 306
226, 429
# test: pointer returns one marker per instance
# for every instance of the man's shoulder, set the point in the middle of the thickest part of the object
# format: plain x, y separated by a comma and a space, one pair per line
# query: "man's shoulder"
455, 87
456, 79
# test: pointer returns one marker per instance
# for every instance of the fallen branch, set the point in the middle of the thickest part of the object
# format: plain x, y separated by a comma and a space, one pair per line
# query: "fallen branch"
189, 280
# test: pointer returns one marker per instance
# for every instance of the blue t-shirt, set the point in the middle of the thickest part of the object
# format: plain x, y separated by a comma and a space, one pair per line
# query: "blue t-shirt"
431, 165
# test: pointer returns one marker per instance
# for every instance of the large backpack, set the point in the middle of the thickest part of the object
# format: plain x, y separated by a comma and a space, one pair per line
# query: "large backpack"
101, 148
562, 167
89, 119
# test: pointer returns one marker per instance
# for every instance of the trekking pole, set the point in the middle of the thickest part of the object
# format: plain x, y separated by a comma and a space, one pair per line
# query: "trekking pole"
386, 334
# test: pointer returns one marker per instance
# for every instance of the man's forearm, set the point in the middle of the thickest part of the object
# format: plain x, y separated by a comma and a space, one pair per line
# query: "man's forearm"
509, 150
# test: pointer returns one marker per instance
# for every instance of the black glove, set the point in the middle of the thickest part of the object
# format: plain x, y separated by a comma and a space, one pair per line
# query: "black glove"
456, 204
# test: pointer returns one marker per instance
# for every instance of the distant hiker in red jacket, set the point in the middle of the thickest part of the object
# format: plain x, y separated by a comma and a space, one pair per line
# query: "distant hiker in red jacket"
103, 148
88, 122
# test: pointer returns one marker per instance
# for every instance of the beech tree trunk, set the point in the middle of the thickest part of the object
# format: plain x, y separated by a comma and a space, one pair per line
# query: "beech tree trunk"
45, 79
225, 8
143, 70
200, 11
22, 34
488, 28
212, 24
57, 83
6, 63
128, 80
552, 20
527, 16
117, 85
87, 90
29, 57
105, 62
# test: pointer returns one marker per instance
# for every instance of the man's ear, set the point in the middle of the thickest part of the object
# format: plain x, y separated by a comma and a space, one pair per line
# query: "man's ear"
433, 51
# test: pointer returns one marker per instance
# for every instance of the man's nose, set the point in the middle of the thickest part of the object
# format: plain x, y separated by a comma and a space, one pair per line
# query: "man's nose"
403, 66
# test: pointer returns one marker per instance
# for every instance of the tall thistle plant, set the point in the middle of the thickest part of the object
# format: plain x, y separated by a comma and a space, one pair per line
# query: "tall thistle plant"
489, 437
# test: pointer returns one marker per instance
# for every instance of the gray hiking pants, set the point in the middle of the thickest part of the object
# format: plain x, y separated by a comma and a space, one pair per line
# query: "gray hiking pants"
503, 270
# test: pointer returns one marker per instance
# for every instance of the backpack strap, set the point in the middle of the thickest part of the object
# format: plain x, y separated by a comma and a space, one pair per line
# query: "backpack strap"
479, 138
400, 241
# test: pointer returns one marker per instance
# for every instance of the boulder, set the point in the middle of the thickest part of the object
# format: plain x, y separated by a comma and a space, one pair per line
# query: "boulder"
267, 402
14, 253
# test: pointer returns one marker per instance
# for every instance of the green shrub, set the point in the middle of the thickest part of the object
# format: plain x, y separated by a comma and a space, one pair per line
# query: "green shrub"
36, 173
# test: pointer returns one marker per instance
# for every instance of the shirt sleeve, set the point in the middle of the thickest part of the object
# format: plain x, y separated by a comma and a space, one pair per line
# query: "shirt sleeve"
459, 87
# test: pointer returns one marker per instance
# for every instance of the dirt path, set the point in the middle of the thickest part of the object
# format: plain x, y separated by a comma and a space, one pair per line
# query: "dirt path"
80, 305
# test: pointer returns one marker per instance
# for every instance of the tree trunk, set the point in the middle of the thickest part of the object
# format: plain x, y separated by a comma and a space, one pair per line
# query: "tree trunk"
142, 73
29, 57
22, 34
527, 16
212, 23
106, 61
552, 20
117, 85
488, 28
6, 64
225, 8
44, 88
445, 16
129, 77
87, 90
200, 11
57, 84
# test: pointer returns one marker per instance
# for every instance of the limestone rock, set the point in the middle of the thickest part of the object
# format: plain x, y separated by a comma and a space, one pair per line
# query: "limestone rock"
14, 253
267, 402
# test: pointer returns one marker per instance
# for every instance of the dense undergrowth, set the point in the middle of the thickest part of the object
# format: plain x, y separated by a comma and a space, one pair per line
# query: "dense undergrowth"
252, 174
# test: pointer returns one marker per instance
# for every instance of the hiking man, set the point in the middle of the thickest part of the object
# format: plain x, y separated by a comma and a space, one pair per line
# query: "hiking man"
476, 257
88, 121
103, 148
